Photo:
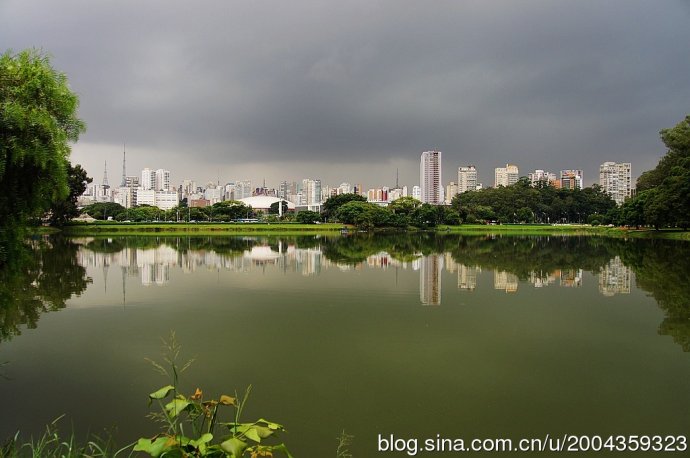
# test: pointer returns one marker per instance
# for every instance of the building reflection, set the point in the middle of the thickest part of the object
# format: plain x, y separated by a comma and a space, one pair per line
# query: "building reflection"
615, 278
153, 266
430, 279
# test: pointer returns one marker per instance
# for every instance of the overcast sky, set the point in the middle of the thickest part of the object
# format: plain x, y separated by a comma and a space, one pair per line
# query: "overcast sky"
350, 91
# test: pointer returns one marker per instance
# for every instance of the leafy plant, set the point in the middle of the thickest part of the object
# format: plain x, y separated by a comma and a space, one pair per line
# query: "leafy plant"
208, 436
52, 444
344, 441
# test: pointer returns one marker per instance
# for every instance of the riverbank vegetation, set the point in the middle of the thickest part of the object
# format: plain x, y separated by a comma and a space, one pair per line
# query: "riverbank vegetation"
38, 121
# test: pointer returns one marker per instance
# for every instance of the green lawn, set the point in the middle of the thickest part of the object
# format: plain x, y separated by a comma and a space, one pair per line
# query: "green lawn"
574, 229
197, 228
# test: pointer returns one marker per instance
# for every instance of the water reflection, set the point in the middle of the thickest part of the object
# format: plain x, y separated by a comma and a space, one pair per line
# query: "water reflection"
151, 263
39, 278
44, 280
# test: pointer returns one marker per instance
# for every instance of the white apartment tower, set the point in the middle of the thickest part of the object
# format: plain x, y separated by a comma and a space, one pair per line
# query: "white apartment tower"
162, 180
616, 180
148, 179
467, 178
430, 177
506, 176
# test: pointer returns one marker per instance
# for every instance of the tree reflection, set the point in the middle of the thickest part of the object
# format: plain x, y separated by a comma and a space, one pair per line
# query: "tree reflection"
40, 278
662, 268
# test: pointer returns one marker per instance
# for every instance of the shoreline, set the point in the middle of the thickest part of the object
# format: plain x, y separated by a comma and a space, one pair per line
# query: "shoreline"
210, 229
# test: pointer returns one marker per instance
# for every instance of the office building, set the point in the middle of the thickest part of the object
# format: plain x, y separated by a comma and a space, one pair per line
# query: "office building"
430, 174
506, 176
616, 180
540, 178
571, 179
467, 178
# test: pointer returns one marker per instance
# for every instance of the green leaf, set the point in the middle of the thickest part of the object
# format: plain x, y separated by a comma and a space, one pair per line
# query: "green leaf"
281, 448
270, 424
204, 439
252, 434
162, 393
177, 406
154, 448
234, 447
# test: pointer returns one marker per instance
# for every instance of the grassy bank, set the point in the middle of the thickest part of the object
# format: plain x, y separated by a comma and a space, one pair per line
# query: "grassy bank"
198, 228
543, 229
522, 229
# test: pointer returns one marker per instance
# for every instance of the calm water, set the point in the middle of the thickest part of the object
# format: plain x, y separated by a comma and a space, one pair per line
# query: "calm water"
409, 335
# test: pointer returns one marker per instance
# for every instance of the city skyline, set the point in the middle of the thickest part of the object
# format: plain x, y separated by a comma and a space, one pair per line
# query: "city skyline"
348, 92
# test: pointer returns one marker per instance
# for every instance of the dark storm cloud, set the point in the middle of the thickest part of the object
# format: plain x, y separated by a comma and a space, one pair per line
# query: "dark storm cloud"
542, 84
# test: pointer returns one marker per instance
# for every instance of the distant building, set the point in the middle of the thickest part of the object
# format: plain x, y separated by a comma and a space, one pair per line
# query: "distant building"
467, 178
506, 176
378, 195
162, 180
451, 191
243, 189
616, 180
309, 194
571, 179
543, 178
430, 175
416, 192
198, 203
148, 179
263, 203
146, 196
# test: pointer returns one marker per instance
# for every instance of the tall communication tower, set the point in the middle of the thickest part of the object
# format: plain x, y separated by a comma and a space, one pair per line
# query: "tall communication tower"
123, 183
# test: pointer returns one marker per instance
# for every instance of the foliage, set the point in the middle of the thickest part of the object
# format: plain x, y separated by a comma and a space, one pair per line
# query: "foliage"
273, 209
37, 122
229, 210
202, 417
332, 204
522, 203
344, 441
40, 278
103, 210
663, 197
52, 444
307, 217
64, 210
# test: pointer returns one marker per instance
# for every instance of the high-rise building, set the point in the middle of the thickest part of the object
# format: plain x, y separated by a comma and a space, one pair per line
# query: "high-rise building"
506, 176
543, 178
344, 188
467, 178
416, 192
162, 180
451, 191
148, 179
311, 193
571, 179
430, 175
616, 180
243, 189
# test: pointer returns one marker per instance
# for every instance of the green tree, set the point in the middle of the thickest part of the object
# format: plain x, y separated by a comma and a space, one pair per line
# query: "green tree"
404, 205
665, 190
273, 209
38, 120
64, 210
307, 217
332, 204
103, 210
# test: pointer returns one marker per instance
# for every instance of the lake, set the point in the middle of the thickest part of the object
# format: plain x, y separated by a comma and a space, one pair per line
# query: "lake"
415, 335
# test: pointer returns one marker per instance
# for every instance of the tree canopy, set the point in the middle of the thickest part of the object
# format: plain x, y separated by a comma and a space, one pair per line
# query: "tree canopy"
38, 120
663, 193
